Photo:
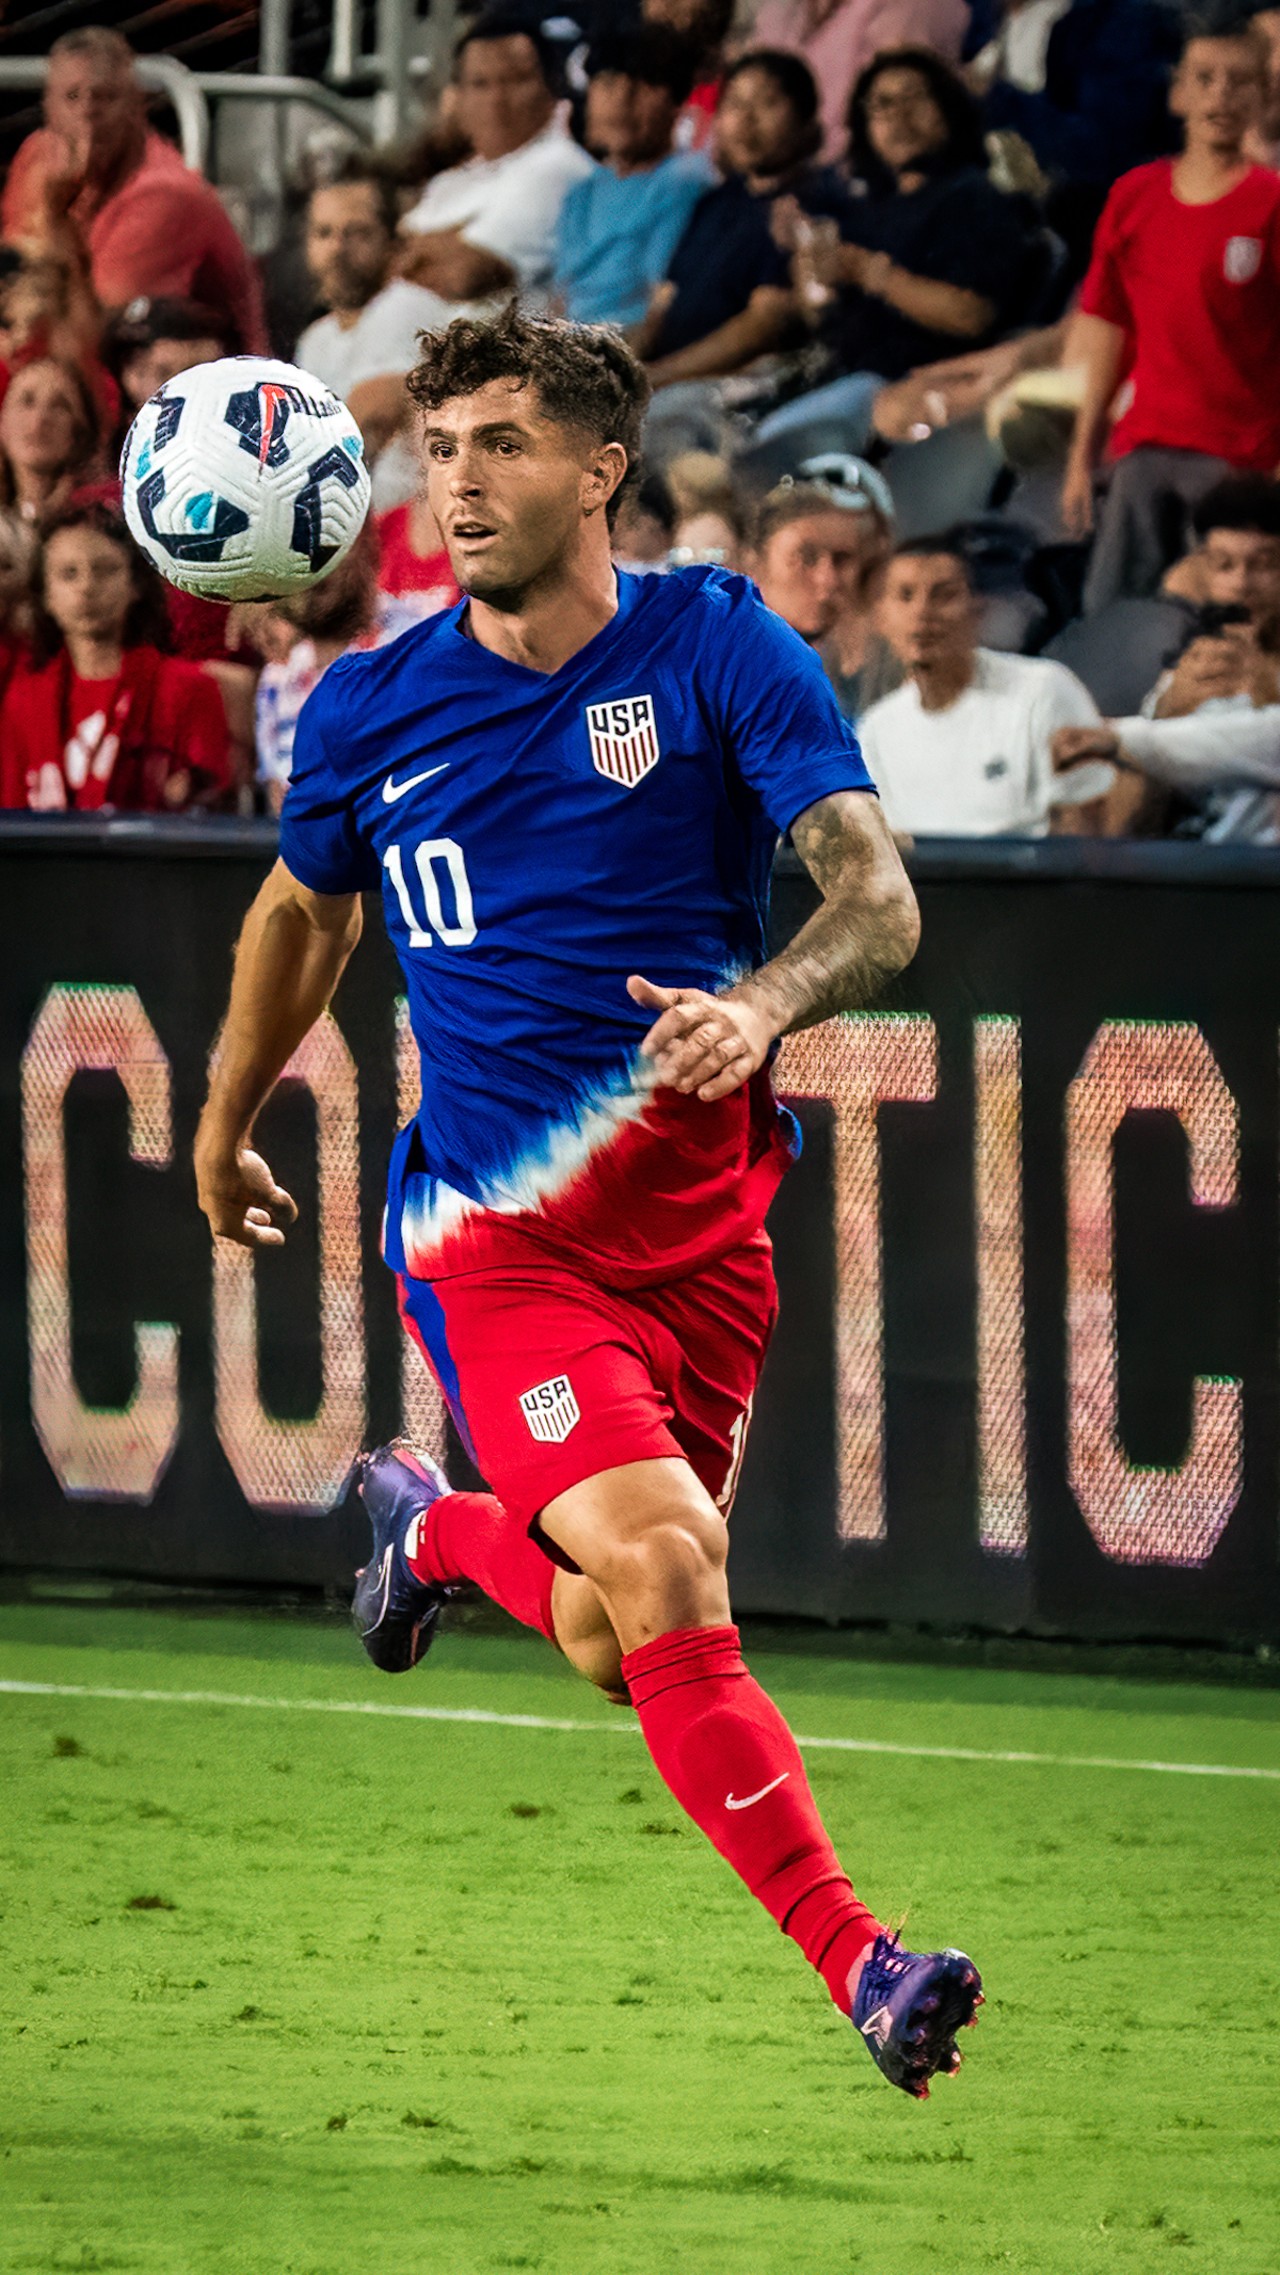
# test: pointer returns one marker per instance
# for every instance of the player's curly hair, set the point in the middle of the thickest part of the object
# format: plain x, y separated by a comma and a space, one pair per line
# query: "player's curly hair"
585, 375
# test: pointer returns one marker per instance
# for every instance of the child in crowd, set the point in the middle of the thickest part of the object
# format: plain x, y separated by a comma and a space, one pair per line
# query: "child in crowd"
106, 720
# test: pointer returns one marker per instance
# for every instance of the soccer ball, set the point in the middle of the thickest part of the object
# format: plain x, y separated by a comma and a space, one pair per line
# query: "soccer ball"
244, 479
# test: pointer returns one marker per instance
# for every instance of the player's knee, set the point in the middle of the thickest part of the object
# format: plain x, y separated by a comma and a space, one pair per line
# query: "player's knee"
680, 1556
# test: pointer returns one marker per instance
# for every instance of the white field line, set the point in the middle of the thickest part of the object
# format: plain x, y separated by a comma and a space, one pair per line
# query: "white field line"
620, 1728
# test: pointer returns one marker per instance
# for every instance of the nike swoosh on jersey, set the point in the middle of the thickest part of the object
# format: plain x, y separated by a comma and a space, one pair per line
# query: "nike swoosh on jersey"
393, 790
752, 1798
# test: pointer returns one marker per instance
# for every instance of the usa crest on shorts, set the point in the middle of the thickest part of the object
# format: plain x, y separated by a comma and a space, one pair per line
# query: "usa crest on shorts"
551, 1410
624, 738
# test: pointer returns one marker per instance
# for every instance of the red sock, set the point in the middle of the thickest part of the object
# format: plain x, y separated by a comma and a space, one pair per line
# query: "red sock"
469, 1536
727, 1755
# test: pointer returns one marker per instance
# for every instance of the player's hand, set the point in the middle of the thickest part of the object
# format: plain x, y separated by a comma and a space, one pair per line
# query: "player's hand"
240, 1196
708, 1043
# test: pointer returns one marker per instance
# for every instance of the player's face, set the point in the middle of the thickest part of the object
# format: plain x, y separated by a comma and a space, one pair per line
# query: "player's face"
154, 367
807, 569
629, 123
348, 244
1242, 569
926, 609
507, 486
88, 585
1218, 90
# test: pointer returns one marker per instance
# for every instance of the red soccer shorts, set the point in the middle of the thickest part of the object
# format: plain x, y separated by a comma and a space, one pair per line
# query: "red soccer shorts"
552, 1377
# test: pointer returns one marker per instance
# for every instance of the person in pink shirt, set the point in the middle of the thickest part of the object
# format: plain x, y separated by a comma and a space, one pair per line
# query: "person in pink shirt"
95, 188
838, 38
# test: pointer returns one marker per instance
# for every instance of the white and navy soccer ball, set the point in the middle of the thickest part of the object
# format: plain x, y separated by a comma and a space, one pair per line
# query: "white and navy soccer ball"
244, 479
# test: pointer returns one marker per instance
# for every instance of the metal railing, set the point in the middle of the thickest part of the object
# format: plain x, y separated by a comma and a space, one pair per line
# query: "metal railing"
410, 58
191, 92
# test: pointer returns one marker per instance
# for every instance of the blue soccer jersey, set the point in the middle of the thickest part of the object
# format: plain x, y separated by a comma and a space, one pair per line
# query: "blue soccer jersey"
537, 838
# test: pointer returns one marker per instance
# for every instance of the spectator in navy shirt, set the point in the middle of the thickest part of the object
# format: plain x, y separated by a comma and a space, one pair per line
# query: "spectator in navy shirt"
1085, 85
620, 227
728, 297
929, 257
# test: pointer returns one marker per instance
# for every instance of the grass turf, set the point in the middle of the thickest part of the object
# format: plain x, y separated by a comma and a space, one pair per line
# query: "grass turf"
310, 1994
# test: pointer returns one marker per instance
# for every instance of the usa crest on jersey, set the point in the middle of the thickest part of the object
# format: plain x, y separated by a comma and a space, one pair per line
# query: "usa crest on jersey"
551, 1410
624, 738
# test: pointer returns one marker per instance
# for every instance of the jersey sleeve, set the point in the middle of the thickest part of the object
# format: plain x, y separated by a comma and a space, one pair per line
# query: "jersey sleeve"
320, 842
782, 726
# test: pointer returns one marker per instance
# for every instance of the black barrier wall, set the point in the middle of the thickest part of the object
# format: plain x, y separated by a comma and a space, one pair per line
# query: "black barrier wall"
1026, 1371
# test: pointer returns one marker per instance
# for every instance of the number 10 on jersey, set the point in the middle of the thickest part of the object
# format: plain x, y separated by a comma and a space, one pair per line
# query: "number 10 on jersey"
440, 864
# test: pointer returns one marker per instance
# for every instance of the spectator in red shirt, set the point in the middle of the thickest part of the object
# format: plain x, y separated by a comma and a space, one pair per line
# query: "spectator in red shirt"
106, 721
49, 436
1183, 292
413, 564
94, 187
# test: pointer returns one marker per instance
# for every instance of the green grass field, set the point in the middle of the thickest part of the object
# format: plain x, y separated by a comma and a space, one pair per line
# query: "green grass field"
324, 1993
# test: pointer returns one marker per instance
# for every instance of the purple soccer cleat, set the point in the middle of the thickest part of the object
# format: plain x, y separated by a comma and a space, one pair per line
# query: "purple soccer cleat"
393, 1612
908, 2008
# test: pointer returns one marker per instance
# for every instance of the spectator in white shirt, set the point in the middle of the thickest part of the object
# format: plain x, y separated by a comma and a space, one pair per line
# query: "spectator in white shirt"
1226, 760
369, 339
963, 748
487, 228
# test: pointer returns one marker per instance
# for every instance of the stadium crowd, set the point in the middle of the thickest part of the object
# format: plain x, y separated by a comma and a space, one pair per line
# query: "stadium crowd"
962, 323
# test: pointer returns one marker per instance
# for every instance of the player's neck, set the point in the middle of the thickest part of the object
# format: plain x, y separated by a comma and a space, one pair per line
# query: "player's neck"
549, 622
94, 659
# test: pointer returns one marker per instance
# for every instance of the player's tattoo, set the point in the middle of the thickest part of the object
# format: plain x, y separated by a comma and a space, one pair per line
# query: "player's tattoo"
866, 929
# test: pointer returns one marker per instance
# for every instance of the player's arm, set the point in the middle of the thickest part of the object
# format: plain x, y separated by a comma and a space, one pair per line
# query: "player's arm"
291, 954
865, 930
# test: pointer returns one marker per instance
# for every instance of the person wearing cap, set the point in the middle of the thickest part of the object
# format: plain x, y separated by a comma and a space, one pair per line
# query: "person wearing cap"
95, 188
820, 548
152, 340
620, 226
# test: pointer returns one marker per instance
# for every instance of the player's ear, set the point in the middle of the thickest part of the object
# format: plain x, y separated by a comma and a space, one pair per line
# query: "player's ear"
603, 477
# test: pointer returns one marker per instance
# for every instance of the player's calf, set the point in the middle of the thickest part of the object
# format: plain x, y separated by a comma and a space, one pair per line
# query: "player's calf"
585, 1634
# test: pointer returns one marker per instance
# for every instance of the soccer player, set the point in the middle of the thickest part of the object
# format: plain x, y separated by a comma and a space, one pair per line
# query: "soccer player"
570, 787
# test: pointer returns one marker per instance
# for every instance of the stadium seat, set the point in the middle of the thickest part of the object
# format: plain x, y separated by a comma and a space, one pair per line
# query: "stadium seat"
1121, 652
946, 479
